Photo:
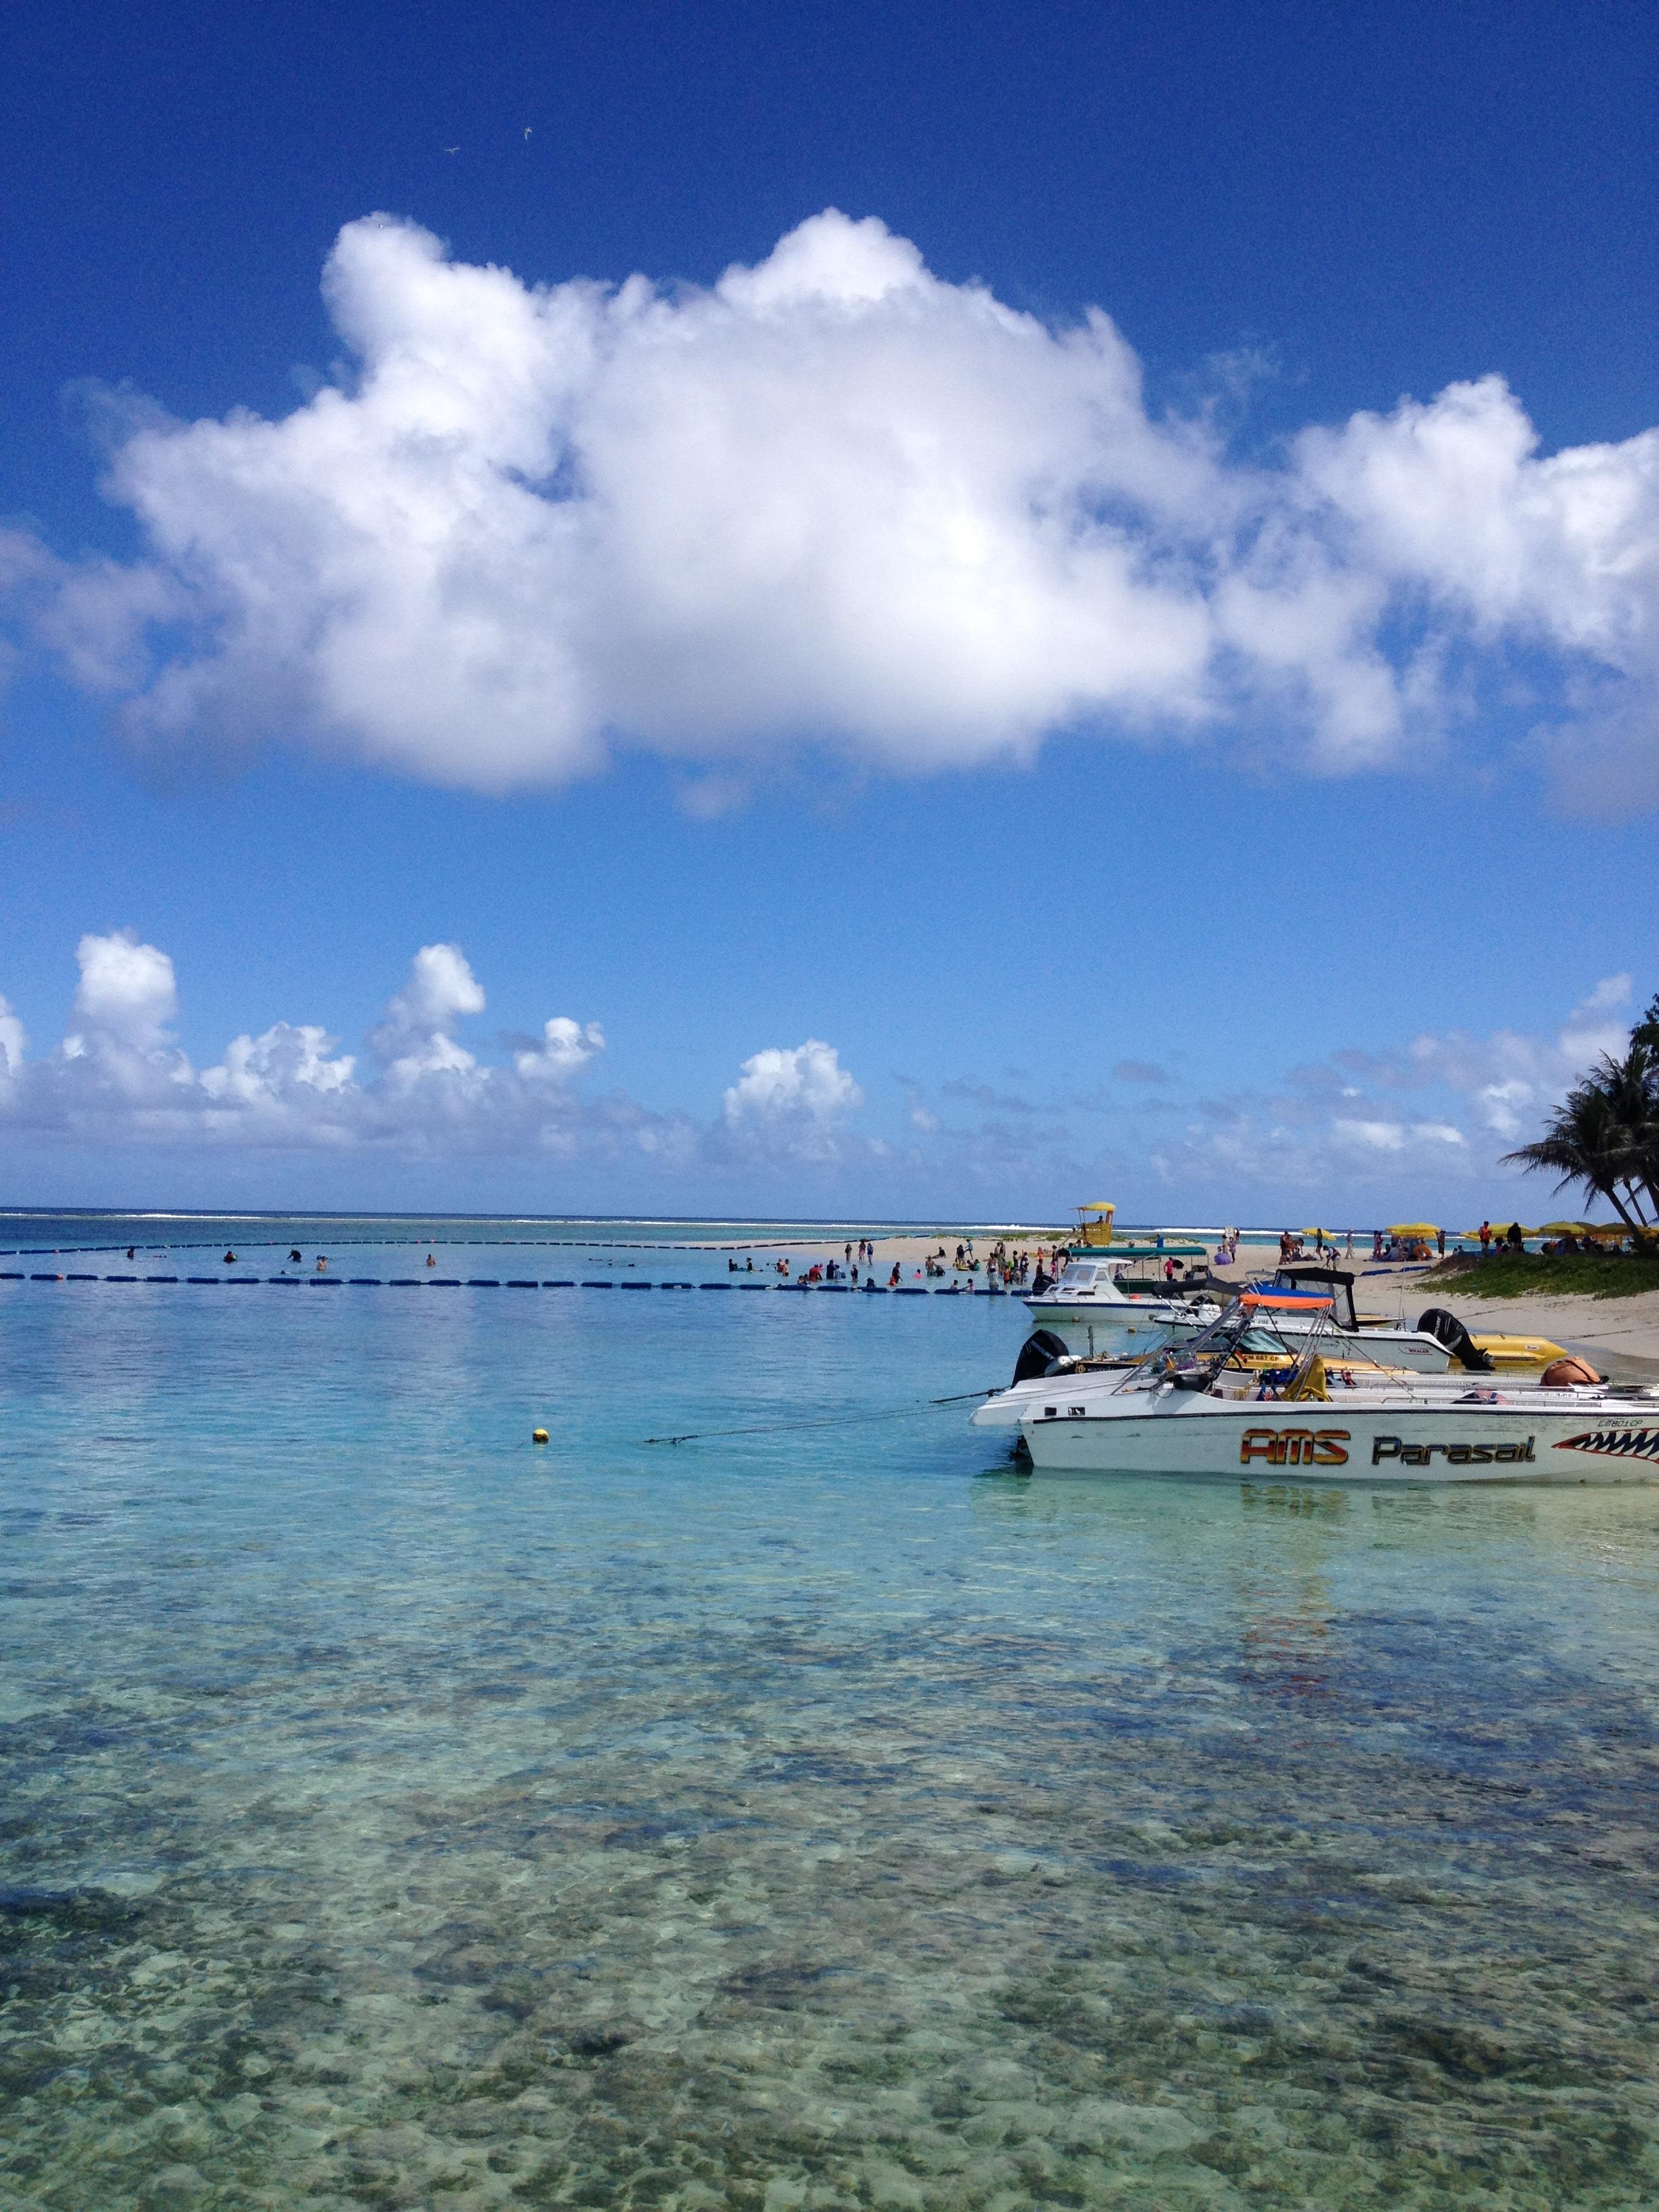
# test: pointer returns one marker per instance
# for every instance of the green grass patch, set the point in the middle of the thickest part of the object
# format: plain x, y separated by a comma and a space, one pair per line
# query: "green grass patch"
1543, 1275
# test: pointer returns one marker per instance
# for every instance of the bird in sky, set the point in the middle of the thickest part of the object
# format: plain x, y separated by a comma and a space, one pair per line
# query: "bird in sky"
526, 133
452, 150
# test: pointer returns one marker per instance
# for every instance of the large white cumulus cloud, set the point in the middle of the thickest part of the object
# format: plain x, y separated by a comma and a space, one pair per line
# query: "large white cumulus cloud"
831, 498
792, 1100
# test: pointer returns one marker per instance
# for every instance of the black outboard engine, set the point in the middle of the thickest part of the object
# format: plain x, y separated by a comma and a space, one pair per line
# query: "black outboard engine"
1437, 1322
1038, 1353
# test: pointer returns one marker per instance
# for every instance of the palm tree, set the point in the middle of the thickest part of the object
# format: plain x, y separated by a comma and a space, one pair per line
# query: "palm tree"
1605, 1135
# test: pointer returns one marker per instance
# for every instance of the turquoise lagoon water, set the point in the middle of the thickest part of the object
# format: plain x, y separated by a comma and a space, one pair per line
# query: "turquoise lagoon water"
398, 1814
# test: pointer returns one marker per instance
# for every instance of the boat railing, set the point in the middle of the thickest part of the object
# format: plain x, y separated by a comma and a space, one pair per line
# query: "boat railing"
1199, 1364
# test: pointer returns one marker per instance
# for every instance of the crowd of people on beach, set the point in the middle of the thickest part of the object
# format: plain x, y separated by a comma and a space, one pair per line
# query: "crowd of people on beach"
1002, 1269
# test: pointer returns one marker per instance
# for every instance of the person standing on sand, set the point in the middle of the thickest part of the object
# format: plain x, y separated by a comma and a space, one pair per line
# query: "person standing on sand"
1485, 1238
1440, 1238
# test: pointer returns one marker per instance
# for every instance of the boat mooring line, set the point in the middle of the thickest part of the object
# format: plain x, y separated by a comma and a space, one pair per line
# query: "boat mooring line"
827, 1420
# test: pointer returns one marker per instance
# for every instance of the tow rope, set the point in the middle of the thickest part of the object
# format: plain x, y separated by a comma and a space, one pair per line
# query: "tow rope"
827, 1420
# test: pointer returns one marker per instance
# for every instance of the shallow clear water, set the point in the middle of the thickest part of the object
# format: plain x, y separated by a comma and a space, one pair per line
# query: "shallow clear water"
398, 1814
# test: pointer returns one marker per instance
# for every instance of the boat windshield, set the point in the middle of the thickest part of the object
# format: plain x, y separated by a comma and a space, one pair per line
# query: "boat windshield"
1334, 1286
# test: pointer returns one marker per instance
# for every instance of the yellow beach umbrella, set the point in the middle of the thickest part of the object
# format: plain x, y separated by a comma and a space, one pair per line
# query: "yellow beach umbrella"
1329, 1235
1413, 1228
1565, 1229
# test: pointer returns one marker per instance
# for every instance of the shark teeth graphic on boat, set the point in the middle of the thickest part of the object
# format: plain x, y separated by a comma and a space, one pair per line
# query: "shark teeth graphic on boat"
1619, 1443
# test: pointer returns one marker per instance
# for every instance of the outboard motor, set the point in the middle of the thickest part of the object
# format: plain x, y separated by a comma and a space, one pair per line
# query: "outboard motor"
1038, 1354
1437, 1322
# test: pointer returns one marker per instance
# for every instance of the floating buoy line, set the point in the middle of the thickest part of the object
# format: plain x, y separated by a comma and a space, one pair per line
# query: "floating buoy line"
484, 1283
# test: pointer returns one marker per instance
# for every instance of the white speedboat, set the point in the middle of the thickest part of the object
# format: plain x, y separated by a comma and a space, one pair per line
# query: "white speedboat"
1087, 1300
1250, 1397
1088, 1314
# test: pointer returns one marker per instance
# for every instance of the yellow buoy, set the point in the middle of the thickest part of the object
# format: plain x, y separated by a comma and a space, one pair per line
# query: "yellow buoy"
539, 1436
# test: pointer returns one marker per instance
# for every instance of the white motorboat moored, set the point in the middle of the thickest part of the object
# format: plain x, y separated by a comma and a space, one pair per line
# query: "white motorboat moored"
1089, 1307
1217, 1406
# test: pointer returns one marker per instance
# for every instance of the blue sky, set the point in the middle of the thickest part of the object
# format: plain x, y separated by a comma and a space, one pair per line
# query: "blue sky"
923, 751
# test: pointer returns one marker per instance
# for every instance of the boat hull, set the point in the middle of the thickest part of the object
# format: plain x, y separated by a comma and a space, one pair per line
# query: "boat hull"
1404, 1441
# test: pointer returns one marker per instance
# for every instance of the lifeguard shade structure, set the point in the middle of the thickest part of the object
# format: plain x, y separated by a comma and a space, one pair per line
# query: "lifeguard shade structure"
1094, 1222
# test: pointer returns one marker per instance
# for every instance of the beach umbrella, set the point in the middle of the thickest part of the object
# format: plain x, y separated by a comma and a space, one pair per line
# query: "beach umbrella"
1565, 1229
1328, 1234
1413, 1228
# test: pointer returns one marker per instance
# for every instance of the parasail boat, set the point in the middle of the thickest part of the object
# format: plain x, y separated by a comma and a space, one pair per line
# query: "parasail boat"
1249, 1396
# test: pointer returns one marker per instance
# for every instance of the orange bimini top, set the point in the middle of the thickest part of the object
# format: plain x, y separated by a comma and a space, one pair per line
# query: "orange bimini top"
1284, 1305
